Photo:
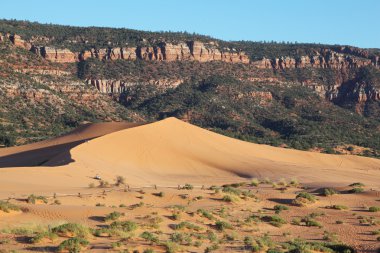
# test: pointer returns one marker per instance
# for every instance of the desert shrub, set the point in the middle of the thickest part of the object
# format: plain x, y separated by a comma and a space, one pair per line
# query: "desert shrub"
149, 237
104, 184
148, 251
205, 214
73, 245
304, 198
357, 184
356, 190
211, 248
119, 180
42, 235
331, 237
339, 222
32, 199
188, 187
72, 229
329, 192
376, 232
187, 225
255, 182
294, 182
171, 247
279, 208
222, 225
181, 238
229, 198
113, 216
126, 226
338, 207
374, 209
309, 222
7, 207
274, 220
159, 194
231, 190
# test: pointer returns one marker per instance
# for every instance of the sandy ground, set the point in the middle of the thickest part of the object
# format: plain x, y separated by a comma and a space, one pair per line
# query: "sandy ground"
171, 152
166, 154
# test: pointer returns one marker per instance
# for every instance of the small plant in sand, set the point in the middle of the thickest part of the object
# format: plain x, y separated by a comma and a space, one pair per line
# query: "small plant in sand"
126, 226
337, 207
258, 244
231, 190
229, 199
339, 222
329, 236
119, 180
304, 198
72, 229
7, 207
159, 194
223, 225
356, 190
205, 214
187, 225
374, 209
329, 192
171, 247
149, 237
279, 208
104, 184
43, 235
255, 182
294, 182
33, 199
357, 184
274, 220
181, 238
188, 187
113, 216
73, 245
309, 222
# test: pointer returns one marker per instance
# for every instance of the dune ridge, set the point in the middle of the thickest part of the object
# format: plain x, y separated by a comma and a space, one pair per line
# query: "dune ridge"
171, 152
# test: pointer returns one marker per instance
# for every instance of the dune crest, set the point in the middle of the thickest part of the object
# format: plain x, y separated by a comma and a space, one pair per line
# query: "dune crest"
171, 152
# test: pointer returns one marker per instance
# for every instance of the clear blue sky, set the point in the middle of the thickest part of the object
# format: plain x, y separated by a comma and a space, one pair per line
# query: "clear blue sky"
326, 21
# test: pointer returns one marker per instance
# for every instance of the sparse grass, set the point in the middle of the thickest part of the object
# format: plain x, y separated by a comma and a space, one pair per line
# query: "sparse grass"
357, 184
223, 225
205, 214
231, 190
119, 180
7, 207
187, 225
279, 208
337, 207
171, 247
329, 192
126, 226
356, 190
374, 209
304, 198
72, 230
73, 245
255, 182
149, 237
104, 184
33, 199
188, 187
331, 237
274, 220
113, 216
43, 235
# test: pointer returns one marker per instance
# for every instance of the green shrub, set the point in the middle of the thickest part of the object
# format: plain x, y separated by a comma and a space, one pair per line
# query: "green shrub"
374, 209
222, 225
329, 192
72, 229
42, 235
338, 207
187, 225
126, 226
73, 245
113, 216
357, 184
310, 222
356, 190
279, 208
171, 247
7, 207
205, 214
33, 198
119, 180
231, 190
149, 237
304, 198
255, 182
274, 220
188, 187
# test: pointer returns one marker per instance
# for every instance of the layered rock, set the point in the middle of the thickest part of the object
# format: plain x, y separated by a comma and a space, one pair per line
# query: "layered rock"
18, 42
119, 86
55, 55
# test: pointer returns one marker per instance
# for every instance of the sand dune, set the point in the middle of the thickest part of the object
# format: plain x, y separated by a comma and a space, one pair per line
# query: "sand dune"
38, 153
171, 152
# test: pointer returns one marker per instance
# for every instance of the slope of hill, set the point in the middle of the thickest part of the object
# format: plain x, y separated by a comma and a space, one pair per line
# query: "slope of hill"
172, 152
